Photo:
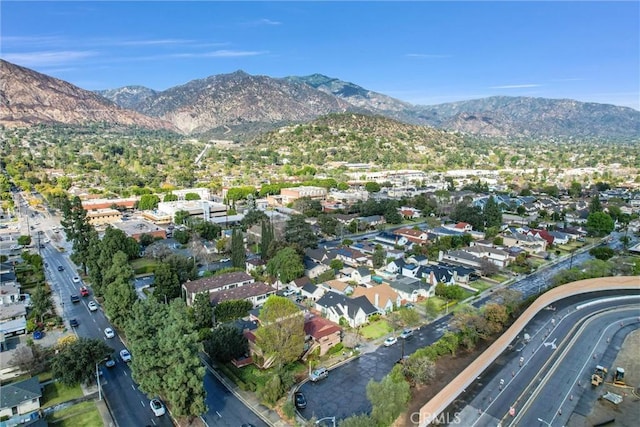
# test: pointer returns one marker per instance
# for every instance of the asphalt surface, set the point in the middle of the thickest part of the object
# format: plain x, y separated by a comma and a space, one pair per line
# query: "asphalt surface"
566, 344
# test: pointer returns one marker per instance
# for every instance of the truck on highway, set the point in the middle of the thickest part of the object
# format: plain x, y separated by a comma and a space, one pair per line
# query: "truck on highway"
598, 376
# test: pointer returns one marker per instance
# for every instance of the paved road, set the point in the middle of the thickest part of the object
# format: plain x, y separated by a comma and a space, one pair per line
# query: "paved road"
128, 405
537, 387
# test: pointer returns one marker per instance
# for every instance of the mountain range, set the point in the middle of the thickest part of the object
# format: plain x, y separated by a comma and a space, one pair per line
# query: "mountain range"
239, 106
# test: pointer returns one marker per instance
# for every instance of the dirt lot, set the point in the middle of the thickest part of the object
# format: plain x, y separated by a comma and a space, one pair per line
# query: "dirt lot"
627, 413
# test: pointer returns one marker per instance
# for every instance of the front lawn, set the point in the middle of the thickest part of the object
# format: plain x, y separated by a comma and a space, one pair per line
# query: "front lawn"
143, 265
481, 285
376, 329
83, 414
57, 392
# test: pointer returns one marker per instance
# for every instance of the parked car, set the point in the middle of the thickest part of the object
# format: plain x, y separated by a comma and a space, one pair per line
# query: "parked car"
73, 323
92, 306
288, 292
84, 291
409, 305
406, 334
108, 332
75, 298
318, 374
125, 355
299, 400
157, 407
390, 341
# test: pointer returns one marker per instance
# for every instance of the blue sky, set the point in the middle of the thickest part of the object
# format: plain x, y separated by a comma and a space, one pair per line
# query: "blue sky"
420, 52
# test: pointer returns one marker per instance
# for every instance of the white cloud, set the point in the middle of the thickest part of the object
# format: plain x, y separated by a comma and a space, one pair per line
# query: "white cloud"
47, 58
521, 86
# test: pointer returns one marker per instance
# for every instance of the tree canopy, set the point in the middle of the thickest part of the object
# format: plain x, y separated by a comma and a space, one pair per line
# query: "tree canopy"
281, 335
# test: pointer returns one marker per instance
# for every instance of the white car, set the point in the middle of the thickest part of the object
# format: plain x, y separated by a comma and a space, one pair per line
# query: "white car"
125, 355
108, 332
390, 341
76, 279
92, 306
157, 407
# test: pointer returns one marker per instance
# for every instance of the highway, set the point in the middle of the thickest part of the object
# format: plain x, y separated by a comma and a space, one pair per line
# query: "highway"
549, 376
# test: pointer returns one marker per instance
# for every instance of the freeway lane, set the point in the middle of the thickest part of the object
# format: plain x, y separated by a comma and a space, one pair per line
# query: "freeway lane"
507, 384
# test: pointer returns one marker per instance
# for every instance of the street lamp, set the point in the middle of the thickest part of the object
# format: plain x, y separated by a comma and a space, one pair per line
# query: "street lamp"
98, 381
543, 421
333, 419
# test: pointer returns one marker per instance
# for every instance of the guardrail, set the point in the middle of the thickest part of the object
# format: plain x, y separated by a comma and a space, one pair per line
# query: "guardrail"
446, 396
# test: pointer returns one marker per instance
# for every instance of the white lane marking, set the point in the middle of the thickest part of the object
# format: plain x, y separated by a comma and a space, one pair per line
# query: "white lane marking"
125, 372
133, 387
154, 423
142, 403
219, 414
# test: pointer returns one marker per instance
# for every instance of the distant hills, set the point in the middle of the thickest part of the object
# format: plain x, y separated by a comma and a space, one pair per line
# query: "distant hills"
30, 98
241, 106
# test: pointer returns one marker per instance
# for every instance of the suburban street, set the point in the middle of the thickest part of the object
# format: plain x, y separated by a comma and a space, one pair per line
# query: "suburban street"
550, 375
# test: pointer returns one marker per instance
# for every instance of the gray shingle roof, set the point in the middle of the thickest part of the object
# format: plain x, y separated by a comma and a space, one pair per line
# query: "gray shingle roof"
14, 394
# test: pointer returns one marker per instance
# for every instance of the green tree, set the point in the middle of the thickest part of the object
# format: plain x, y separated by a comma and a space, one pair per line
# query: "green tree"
166, 283
77, 229
160, 336
76, 361
379, 257
148, 202
575, 189
602, 252
266, 237
419, 370
281, 336
24, 240
362, 420
286, 265
170, 197
182, 236
119, 296
238, 253
206, 230
599, 224
372, 187
226, 343
492, 214
254, 216
180, 217
202, 311
299, 233
336, 264
388, 399
40, 302
192, 196
227, 311
595, 205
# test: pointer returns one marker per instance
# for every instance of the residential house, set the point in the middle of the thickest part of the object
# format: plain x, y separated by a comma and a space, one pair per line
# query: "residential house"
351, 257
256, 293
9, 293
254, 264
461, 227
395, 266
20, 398
383, 297
361, 275
389, 240
543, 234
409, 212
461, 258
461, 274
418, 237
321, 333
318, 255
212, 284
531, 244
410, 270
312, 291
434, 274
354, 311
560, 238
345, 219
410, 289
313, 269
367, 248
299, 283
494, 255
13, 319
444, 231
418, 259
372, 221
337, 286
394, 253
